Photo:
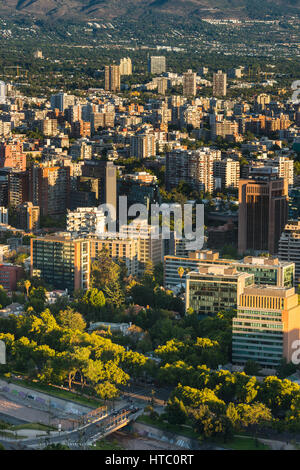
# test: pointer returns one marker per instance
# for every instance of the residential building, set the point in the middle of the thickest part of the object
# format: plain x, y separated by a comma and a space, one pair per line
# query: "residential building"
189, 83
49, 188
112, 78
86, 220
118, 249
226, 173
194, 167
12, 155
3, 215
219, 84
125, 66
156, 65
28, 217
63, 262
142, 146
10, 274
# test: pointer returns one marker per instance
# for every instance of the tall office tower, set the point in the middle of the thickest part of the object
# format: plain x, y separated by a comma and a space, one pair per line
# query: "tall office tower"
12, 155
125, 66
61, 261
189, 83
212, 289
104, 177
289, 246
112, 78
142, 146
156, 65
226, 173
86, 220
28, 217
150, 247
17, 187
62, 101
2, 92
195, 167
263, 211
118, 249
266, 325
49, 188
219, 84
4, 215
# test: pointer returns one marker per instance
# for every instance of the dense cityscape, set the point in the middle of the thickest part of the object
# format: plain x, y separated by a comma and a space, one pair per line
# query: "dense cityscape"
122, 327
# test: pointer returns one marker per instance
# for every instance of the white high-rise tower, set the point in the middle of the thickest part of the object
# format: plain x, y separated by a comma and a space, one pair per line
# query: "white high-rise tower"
2, 92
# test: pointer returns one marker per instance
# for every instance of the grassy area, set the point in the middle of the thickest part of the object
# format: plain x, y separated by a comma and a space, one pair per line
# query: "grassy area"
104, 444
245, 443
57, 392
177, 429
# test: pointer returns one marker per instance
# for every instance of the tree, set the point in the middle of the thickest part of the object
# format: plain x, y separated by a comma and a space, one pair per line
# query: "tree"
27, 285
180, 271
70, 319
176, 412
252, 368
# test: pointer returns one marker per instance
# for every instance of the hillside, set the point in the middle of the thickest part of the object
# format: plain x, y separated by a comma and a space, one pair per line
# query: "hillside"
109, 9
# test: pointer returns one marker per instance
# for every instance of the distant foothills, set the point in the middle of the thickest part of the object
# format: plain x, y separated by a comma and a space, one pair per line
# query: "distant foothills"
135, 9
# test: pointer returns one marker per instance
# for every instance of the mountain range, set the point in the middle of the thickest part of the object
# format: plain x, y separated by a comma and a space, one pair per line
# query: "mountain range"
110, 9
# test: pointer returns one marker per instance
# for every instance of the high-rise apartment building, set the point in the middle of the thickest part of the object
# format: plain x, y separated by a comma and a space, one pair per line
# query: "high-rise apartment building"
156, 65
103, 176
227, 173
142, 146
266, 325
62, 101
112, 78
12, 155
219, 84
2, 92
125, 66
49, 188
86, 220
18, 187
3, 215
289, 246
28, 217
189, 83
118, 249
195, 167
150, 246
61, 261
263, 211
